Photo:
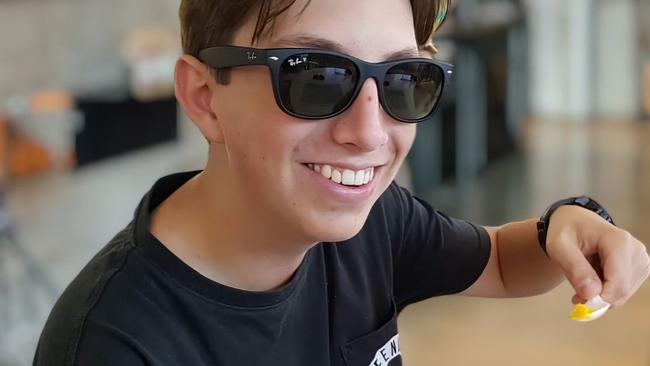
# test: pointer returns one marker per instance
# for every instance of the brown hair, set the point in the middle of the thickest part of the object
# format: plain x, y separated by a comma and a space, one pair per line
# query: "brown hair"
208, 23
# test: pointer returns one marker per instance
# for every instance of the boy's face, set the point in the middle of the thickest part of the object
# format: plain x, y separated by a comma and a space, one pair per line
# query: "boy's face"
269, 152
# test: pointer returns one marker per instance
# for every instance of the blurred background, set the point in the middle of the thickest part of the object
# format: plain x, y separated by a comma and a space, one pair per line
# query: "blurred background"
550, 99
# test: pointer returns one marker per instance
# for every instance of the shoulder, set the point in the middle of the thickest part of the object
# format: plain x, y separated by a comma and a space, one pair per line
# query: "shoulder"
66, 323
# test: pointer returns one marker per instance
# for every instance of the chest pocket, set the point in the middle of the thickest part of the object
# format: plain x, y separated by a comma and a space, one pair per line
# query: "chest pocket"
379, 348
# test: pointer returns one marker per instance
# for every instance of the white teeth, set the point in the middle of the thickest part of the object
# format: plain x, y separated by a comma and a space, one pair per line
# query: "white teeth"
347, 177
358, 178
326, 171
336, 176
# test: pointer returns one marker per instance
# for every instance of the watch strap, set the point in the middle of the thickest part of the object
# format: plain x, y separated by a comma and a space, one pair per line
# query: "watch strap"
582, 201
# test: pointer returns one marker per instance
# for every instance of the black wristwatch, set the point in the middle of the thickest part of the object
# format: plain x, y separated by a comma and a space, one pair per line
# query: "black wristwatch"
582, 201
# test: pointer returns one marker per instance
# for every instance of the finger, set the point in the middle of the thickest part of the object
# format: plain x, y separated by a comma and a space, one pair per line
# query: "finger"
615, 291
594, 261
577, 300
623, 270
577, 270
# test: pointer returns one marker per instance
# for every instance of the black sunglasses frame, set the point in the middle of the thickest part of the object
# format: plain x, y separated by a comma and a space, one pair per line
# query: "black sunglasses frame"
223, 57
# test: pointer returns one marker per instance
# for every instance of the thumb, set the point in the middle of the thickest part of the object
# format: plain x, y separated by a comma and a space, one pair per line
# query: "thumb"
578, 271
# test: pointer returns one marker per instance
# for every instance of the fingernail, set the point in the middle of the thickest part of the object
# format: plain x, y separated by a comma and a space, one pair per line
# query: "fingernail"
589, 289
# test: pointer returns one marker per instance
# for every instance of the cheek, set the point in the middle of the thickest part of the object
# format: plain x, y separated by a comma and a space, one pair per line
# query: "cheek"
262, 149
248, 95
256, 151
249, 116
403, 136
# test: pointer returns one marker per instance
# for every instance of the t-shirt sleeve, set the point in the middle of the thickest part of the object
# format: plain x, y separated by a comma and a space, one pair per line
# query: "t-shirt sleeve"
436, 254
105, 344
102, 345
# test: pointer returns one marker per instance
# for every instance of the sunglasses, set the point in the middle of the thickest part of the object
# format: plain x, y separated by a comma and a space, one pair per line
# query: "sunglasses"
318, 84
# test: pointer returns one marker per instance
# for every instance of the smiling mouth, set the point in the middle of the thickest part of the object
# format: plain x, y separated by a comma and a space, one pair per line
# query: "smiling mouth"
345, 177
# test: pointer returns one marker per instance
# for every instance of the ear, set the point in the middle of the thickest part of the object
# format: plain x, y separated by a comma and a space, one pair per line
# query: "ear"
194, 91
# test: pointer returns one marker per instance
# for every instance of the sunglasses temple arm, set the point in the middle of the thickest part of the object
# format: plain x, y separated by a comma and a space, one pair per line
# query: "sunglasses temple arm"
224, 57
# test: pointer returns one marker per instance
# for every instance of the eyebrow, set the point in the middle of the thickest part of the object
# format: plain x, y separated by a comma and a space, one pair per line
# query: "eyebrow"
305, 41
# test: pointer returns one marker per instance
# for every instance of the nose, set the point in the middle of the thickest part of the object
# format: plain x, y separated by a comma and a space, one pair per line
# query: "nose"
363, 125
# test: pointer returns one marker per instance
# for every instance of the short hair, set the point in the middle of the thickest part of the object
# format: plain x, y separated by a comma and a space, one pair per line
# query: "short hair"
209, 23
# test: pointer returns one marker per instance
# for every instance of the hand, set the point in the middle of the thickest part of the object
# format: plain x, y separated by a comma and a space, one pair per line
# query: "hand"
596, 257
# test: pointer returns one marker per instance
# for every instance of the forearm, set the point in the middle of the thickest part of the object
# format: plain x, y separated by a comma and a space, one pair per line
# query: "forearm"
577, 240
525, 269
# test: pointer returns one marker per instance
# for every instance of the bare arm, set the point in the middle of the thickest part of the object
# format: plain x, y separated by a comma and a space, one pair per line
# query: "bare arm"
517, 266
580, 245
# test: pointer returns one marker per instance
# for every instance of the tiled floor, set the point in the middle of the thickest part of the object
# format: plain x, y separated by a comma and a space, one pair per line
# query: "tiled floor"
64, 219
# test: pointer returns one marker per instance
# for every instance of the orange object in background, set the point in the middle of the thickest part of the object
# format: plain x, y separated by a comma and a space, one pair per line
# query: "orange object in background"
27, 158
51, 102
20, 156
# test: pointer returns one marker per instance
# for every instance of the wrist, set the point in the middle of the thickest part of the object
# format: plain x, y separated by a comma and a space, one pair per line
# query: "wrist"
563, 225
568, 205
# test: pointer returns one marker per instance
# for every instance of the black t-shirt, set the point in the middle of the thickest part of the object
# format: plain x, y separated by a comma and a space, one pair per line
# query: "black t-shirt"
136, 303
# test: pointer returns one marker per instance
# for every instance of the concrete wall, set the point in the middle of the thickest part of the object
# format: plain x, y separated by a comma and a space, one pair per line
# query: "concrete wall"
618, 59
584, 58
71, 44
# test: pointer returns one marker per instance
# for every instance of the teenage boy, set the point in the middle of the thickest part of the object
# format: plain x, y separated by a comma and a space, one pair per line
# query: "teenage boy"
294, 246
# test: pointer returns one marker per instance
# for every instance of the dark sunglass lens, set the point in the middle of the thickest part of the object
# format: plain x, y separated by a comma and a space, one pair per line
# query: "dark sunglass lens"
317, 85
412, 89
